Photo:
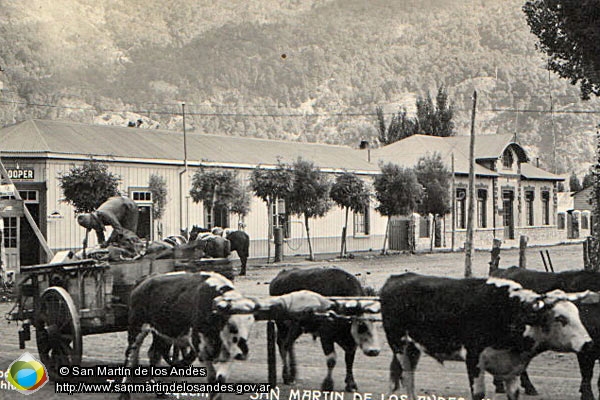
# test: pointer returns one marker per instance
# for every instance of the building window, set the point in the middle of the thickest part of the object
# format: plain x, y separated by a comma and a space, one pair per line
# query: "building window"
221, 215
141, 196
561, 220
585, 221
507, 159
482, 208
546, 208
10, 232
424, 226
529, 196
361, 222
461, 208
281, 218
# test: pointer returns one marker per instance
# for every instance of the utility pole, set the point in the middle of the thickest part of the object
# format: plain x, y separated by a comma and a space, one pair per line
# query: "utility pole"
183, 221
469, 241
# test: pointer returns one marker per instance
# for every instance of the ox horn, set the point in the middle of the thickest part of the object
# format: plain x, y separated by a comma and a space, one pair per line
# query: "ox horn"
585, 297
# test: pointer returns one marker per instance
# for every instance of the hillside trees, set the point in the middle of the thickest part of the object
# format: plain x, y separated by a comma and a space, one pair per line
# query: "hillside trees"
569, 33
350, 193
431, 119
574, 184
398, 192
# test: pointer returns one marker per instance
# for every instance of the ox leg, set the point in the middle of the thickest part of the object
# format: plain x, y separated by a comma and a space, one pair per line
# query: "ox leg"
136, 336
286, 335
512, 388
408, 359
349, 358
530, 390
329, 351
244, 259
476, 375
586, 369
282, 343
499, 384
395, 374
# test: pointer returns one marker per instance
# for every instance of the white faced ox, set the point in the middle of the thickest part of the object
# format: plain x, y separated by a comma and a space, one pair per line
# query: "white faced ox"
496, 325
181, 311
349, 333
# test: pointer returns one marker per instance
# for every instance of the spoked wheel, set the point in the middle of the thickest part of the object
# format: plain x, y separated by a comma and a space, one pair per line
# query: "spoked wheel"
177, 356
58, 332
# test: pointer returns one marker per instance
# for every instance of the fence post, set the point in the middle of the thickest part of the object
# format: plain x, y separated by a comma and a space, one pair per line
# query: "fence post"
586, 254
495, 261
522, 251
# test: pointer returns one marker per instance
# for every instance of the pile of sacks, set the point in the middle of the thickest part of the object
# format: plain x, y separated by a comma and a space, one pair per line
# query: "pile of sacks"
126, 245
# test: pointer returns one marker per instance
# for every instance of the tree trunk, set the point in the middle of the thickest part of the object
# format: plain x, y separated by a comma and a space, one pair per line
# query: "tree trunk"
387, 229
344, 233
432, 234
310, 250
270, 227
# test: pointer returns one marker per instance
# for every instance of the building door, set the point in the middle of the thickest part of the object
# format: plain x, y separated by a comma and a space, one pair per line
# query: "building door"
144, 228
29, 251
399, 234
11, 242
508, 215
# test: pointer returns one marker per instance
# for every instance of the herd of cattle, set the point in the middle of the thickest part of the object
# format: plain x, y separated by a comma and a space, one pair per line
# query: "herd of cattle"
496, 325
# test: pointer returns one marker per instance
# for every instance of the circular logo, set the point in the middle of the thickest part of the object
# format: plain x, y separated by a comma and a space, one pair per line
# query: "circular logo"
27, 374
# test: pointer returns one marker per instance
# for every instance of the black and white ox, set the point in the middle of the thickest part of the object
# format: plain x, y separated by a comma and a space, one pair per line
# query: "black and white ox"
178, 309
494, 325
568, 281
348, 333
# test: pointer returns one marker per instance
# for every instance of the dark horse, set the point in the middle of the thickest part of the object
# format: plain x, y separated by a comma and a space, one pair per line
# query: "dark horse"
239, 240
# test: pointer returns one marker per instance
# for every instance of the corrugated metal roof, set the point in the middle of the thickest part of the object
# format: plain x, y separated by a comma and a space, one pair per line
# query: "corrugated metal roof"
407, 152
531, 172
68, 138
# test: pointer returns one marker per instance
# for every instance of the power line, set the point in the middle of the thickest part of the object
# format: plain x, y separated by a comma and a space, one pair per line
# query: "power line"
276, 115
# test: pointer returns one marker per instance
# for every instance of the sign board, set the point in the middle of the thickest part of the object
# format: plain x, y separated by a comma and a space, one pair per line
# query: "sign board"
25, 174
7, 190
11, 208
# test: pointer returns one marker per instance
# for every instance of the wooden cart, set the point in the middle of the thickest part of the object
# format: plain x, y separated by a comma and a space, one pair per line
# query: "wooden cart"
65, 301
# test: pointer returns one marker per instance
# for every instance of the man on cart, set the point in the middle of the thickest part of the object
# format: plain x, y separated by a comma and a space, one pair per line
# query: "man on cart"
119, 212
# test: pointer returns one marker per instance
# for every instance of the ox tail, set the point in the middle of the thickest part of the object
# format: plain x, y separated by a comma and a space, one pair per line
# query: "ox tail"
395, 374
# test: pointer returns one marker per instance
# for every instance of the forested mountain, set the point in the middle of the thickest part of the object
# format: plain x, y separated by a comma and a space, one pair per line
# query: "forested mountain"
308, 70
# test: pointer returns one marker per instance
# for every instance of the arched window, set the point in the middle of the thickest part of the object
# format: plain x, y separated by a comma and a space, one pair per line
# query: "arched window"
507, 159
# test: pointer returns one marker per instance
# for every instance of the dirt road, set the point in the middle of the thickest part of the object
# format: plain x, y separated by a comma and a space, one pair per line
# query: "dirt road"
555, 375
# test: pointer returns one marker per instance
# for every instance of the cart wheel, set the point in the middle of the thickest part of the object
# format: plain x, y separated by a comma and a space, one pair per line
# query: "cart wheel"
58, 332
177, 356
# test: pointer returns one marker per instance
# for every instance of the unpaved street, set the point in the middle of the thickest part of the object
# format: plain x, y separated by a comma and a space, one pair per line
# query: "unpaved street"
555, 375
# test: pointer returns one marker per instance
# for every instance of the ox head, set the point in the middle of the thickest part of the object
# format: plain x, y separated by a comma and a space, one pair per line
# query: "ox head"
362, 326
237, 312
552, 319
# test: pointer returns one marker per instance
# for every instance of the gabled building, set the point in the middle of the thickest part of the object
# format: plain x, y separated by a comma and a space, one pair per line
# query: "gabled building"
513, 197
36, 152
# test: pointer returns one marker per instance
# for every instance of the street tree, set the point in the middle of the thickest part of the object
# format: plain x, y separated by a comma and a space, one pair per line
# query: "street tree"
569, 33
309, 196
158, 188
271, 184
217, 188
398, 192
435, 178
86, 187
350, 193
